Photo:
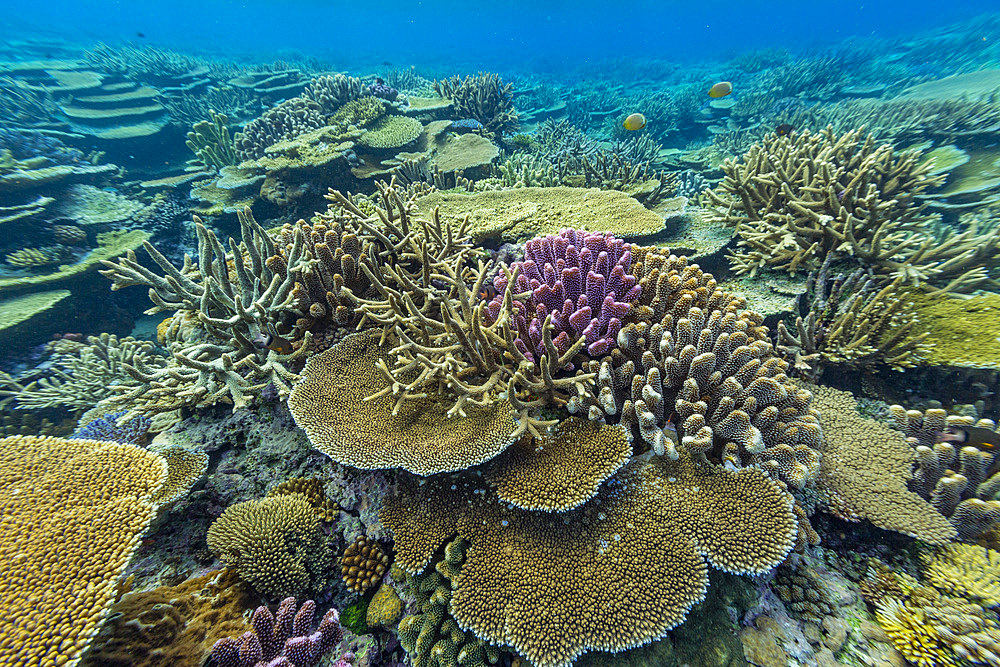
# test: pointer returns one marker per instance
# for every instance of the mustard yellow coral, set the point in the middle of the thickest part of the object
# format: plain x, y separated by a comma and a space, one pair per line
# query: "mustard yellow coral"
913, 635
967, 570
331, 405
73, 514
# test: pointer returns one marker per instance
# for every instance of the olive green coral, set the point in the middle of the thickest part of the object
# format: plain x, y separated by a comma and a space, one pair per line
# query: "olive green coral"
392, 133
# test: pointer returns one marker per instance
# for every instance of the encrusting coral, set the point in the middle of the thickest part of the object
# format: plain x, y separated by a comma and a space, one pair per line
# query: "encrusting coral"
797, 198
92, 500
865, 469
275, 544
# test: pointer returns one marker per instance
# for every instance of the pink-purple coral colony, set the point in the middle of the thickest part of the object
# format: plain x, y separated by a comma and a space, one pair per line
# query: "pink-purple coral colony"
282, 639
581, 279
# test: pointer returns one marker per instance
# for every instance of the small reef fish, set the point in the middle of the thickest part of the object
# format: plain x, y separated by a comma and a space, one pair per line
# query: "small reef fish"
784, 130
976, 436
634, 122
272, 341
720, 89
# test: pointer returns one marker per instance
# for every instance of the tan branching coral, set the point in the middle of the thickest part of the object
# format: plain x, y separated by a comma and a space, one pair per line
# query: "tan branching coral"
848, 320
363, 564
702, 378
235, 297
561, 471
609, 575
484, 97
286, 120
275, 544
954, 466
339, 406
797, 198
82, 374
331, 92
74, 513
865, 469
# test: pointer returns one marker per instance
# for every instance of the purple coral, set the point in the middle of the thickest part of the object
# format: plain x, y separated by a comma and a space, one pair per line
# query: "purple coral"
282, 639
133, 431
383, 90
581, 279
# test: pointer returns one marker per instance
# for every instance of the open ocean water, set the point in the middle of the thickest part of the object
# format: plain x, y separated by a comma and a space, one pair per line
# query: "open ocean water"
452, 334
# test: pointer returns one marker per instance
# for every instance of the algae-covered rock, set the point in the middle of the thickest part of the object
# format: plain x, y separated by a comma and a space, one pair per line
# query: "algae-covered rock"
521, 213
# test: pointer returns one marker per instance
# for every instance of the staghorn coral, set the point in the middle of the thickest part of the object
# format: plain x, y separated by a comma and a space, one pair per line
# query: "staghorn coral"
615, 573
576, 278
93, 501
381, 432
797, 198
848, 320
275, 544
234, 296
699, 375
483, 97
430, 635
865, 469
211, 143
363, 564
81, 375
284, 121
282, 639
965, 570
954, 467
560, 471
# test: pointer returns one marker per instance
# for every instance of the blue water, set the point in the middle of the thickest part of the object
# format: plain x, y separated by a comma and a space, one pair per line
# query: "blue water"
492, 34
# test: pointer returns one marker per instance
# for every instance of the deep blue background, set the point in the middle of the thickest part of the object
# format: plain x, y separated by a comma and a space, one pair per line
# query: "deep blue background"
489, 34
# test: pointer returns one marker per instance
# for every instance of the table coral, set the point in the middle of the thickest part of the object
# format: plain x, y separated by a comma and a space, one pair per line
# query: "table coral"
94, 501
641, 542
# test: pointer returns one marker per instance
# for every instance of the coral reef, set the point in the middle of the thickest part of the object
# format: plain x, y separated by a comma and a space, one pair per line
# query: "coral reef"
484, 97
282, 638
94, 500
211, 143
284, 121
966, 570
275, 544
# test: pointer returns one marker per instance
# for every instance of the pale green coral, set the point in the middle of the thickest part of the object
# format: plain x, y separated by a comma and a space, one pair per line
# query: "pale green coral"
392, 132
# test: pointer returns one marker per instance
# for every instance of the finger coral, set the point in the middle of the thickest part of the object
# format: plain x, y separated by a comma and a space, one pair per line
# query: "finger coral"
282, 638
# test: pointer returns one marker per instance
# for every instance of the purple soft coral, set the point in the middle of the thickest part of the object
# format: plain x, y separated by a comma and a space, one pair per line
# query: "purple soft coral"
581, 279
282, 640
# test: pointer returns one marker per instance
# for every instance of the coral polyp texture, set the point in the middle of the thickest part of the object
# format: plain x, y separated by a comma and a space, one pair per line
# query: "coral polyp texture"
580, 279
363, 564
74, 513
285, 638
342, 423
625, 567
275, 543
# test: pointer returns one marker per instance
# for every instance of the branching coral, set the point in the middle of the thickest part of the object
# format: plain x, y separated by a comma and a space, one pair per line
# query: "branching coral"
954, 466
966, 570
234, 297
333, 92
848, 320
797, 198
210, 141
286, 120
484, 97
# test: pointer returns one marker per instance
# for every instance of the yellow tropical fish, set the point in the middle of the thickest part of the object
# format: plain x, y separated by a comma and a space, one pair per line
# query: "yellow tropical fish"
635, 122
721, 89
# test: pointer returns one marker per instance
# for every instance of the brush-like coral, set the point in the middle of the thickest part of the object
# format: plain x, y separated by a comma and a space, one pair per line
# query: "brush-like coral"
966, 570
275, 544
